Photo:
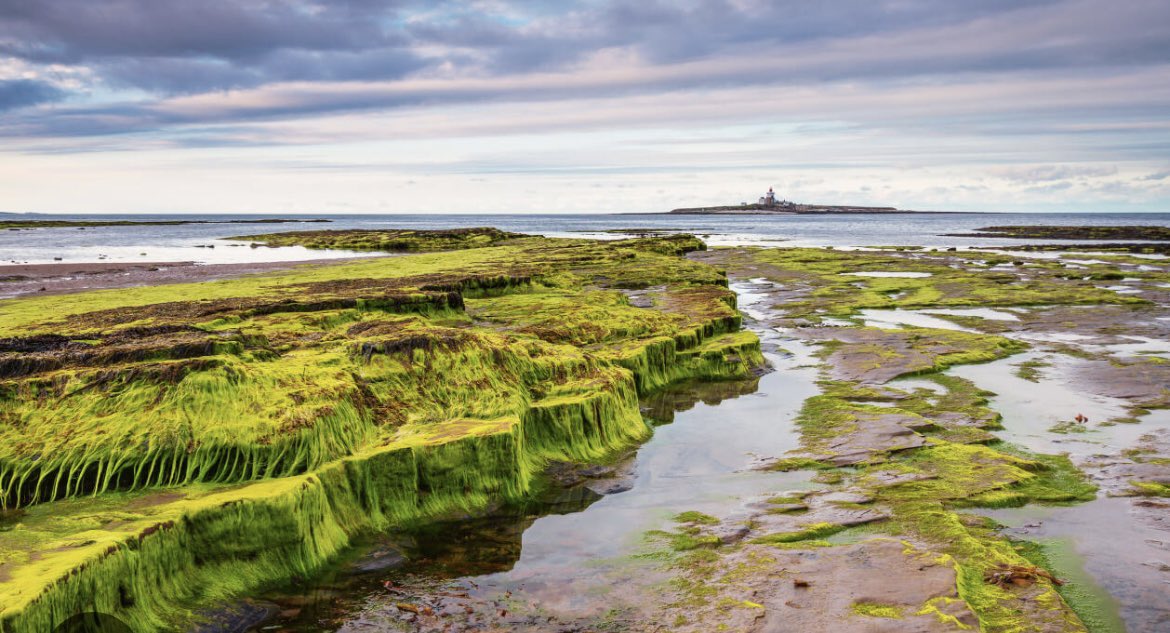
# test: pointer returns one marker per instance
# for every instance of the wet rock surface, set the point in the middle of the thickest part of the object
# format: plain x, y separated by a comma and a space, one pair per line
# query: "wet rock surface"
876, 434
873, 356
1133, 472
879, 585
1144, 382
603, 479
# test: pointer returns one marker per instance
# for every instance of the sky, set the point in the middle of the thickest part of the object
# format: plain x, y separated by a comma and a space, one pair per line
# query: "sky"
495, 106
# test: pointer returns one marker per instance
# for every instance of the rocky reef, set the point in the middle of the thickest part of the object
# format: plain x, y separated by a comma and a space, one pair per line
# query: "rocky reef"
910, 456
1153, 239
1063, 232
400, 240
166, 447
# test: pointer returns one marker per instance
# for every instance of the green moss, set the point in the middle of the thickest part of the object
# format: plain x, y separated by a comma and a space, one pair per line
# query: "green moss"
877, 610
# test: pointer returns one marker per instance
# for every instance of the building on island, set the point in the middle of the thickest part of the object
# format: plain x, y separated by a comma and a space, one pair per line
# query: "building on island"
769, 200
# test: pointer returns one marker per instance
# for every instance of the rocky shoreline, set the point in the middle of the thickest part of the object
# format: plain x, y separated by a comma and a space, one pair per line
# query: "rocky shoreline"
1063, 232
343, 399
23, 225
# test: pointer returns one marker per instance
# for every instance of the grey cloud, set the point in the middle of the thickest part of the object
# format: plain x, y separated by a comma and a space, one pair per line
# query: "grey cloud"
1054, 187
182, 47
178, 76
19, 93
177, 47
78, 30
1053, 173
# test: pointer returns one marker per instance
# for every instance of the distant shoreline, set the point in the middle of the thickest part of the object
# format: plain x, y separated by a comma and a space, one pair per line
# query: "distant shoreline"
18, 225
793, 209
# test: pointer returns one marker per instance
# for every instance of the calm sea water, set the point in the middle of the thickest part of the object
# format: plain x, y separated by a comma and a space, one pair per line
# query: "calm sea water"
191, 242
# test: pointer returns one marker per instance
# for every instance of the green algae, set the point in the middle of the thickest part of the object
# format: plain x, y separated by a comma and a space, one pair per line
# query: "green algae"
830, 291
877, 610
1030, 370
877, 355
953, 476
1150, 489
1092, 604
812, 532
237, 433
288, 386
684, 540
689, 536
694, 516
385, 240
1125, 232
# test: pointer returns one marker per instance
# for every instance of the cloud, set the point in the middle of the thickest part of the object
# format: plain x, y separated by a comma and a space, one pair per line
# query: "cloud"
79, 30
1052, 173
1048, 95
20, 93
175, 47
178, 47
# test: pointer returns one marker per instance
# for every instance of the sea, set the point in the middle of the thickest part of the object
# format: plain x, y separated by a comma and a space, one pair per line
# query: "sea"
212, 243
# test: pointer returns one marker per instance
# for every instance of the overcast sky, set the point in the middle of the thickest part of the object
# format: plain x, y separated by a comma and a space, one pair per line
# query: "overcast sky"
395, 106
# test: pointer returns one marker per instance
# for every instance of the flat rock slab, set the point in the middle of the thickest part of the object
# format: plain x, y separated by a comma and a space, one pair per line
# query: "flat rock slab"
1100, 322
888, 479
874, 435
872, 356
954, 419
1118, 474
833, 508
869, 438
828, 589
1141, 382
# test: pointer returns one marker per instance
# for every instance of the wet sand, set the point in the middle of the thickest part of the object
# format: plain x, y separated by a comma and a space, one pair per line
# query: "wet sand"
42, 279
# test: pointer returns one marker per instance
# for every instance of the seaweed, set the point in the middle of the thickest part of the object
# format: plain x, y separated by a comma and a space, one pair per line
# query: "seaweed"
174, 445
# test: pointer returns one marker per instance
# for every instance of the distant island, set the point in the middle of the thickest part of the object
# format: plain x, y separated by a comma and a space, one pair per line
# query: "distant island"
769, 205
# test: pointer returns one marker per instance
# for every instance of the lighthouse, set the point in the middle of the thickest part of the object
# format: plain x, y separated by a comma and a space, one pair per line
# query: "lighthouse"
769, 200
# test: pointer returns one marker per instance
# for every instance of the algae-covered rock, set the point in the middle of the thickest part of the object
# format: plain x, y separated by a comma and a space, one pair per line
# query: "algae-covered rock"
279, 415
